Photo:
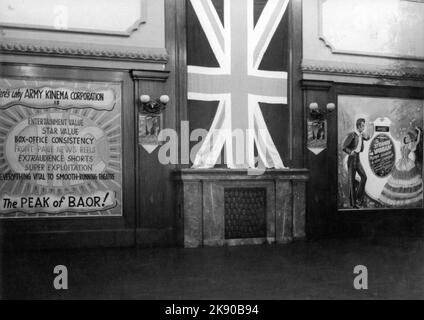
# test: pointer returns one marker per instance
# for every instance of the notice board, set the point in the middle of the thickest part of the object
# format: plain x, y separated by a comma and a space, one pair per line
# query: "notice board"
60, 148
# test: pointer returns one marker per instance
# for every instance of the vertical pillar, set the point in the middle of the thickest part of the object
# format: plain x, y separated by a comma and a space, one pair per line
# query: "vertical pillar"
213, 214
284, 211
299, 209
193, 211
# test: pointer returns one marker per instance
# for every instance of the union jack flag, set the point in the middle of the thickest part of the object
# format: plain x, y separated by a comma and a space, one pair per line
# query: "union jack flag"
238, 45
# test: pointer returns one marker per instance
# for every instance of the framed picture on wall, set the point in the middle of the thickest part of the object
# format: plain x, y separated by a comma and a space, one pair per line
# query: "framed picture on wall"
148, 131
317, 135
61, 148
380, 153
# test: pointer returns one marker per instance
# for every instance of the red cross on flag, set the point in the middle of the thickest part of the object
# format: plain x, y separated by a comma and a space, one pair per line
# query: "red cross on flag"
237, 83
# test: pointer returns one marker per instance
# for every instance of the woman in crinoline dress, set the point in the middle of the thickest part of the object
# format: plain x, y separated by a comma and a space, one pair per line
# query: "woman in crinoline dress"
405, 185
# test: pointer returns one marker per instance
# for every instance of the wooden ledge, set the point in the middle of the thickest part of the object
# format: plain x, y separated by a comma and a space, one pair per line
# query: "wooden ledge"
239, 174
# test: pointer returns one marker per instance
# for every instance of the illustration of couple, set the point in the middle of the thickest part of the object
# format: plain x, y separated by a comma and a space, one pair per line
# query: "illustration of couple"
404, 187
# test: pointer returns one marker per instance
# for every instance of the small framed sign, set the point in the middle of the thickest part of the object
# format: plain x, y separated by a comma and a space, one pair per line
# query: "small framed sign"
149, 127
317, 135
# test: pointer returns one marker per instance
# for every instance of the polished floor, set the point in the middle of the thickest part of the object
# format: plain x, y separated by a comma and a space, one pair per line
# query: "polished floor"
303, 270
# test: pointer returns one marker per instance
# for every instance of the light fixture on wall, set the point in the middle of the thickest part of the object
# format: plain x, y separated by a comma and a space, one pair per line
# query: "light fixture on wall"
318, 113
153, 106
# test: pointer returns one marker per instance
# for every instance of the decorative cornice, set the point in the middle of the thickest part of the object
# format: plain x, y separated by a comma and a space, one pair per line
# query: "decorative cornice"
317, 85
150, 75
71, 50
395, 72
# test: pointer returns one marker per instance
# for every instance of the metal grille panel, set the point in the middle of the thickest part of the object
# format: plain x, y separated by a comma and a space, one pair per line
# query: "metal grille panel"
245, 213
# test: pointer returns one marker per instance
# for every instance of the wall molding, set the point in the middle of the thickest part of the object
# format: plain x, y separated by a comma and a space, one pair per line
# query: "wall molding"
317, 85
397, 71
150, 75
73, 50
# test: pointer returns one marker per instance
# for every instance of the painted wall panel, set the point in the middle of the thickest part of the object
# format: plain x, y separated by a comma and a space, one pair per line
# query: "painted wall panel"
149, 34
365, 34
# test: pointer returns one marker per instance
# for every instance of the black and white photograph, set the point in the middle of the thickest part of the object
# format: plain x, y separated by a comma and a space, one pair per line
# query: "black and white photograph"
216, 157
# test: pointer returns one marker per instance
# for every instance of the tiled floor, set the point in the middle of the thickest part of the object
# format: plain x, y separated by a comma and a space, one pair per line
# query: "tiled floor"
304, 270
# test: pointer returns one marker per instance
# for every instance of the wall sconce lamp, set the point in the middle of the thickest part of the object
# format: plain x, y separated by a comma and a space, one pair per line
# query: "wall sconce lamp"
154, 106
317, 113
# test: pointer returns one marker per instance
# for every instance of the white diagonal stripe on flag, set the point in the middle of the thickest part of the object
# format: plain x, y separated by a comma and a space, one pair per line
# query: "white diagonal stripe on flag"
265, 28
214, 30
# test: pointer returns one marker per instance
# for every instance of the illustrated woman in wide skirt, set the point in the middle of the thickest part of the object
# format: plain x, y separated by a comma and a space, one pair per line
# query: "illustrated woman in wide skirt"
405, 185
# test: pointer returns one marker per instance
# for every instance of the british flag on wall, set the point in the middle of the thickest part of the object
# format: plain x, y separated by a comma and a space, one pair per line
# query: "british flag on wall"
238, 57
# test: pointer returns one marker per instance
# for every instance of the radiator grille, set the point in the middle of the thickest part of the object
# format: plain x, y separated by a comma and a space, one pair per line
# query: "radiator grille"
245, 213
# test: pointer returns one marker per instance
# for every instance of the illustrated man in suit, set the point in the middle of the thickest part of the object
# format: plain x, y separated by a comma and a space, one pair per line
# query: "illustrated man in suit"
353, 146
